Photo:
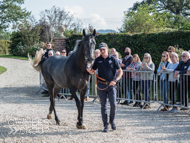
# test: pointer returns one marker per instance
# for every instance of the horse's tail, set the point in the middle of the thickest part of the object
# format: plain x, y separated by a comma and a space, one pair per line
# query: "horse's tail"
36, 64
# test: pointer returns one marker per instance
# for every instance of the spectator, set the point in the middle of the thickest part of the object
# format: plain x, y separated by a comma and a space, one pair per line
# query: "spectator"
64, 52
135, 65
45, 56
127, 81
165, 62
182, 86
114, 53
170, 50
57, 53
50, 53
172, 81
146, 78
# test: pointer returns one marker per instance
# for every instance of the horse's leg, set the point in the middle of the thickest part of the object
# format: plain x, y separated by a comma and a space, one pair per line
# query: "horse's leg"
79, 124
52, 100
56, 91
82, 95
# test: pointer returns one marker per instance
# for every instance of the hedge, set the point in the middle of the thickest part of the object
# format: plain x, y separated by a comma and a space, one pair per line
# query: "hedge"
153, 43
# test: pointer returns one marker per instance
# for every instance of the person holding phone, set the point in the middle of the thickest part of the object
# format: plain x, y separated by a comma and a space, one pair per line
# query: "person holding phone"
146, 78
165, 63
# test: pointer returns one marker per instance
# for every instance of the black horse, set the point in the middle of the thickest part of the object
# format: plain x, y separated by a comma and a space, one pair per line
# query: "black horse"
68, 72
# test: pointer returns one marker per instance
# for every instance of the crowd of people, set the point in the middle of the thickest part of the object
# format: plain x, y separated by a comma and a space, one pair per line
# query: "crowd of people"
136, 84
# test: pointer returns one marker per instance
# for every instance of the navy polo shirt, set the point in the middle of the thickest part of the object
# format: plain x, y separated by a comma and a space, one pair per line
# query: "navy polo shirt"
106, 67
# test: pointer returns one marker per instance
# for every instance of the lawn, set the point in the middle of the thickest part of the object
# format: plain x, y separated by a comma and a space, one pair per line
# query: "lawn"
14, 57
2, 69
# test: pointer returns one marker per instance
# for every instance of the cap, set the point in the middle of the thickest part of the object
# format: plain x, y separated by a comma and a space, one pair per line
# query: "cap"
103, 45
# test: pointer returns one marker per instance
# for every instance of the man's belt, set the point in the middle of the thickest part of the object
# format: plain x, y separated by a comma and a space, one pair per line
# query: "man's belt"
106, 83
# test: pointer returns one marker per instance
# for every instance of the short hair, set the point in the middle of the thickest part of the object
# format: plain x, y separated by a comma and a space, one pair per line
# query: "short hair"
128, 48
51, 51
186, 52
171, 48
97, 50
136, 56
176, 55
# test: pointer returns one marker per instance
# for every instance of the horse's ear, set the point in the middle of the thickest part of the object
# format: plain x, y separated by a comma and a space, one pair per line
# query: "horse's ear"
84, 32
94, 32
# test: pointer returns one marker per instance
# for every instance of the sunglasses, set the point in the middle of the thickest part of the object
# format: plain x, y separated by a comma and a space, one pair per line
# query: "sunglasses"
49, 54
145, 57
63, 52
183, 56
48, 45
169, 51
163, 56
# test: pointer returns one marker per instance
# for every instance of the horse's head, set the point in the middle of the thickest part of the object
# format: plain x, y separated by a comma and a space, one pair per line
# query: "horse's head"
89, 44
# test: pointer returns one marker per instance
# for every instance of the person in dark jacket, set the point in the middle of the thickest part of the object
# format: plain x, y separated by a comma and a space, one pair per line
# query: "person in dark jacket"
127, 81
184, 83
49, 48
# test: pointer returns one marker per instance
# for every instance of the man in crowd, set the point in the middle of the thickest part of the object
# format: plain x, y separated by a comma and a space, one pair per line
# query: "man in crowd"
182, 87
107, 66
127, 81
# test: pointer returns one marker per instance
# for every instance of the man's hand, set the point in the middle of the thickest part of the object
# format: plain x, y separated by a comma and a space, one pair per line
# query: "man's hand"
176, 74
90, 71
112, 83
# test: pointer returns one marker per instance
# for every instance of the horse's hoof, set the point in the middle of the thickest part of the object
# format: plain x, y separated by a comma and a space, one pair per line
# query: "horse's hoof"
83, 126
49, 116
58, 123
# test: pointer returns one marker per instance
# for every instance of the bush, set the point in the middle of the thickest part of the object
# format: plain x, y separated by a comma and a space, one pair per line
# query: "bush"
153, 43
4, 47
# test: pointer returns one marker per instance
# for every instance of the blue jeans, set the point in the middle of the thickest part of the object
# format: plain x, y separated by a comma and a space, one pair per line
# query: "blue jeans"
164, 90
128, 88
145, 86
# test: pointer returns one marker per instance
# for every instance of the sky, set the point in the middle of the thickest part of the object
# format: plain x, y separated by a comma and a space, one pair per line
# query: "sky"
101, 14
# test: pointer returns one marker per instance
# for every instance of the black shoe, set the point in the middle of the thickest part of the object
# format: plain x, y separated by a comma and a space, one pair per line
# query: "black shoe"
44, 92
113, 126
136, 104
130, 102
125, 103
105, 128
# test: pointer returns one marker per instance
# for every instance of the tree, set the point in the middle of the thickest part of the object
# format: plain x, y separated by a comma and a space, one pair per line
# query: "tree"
24, 37
53, 18
176, 7
145, 19
11, 11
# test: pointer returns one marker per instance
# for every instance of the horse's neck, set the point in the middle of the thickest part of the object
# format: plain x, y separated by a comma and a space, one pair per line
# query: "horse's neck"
81, 64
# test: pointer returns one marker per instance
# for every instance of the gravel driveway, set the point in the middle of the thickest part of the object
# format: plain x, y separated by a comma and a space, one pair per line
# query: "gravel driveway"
23, 116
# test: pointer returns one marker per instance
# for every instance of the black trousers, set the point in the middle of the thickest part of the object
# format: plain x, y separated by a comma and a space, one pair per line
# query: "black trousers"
136, 90
172, 91
119, 88
182, 89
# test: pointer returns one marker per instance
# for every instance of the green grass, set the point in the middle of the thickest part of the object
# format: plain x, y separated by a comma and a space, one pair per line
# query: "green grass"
2, 69
14, 57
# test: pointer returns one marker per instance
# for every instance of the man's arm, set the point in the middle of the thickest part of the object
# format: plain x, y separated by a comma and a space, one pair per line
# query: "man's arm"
120, 73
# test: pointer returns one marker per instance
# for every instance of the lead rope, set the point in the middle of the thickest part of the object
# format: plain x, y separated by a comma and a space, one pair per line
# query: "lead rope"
100, 79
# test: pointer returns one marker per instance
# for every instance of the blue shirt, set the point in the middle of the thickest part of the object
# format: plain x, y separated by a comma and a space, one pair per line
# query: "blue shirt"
163, 76
106, 67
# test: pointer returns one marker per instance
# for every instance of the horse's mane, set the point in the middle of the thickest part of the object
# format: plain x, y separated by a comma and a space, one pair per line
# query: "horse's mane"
77, 45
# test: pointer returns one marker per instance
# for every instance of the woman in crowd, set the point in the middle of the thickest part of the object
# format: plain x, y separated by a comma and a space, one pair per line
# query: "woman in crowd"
172, 81
114, 53
135, 65
147, 78
165, 62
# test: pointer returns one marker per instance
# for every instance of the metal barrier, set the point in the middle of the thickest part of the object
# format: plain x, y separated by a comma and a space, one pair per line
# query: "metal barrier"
138, 86
172, 92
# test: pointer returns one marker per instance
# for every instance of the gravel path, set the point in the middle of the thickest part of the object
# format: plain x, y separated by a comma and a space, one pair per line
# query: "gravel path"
23, 116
